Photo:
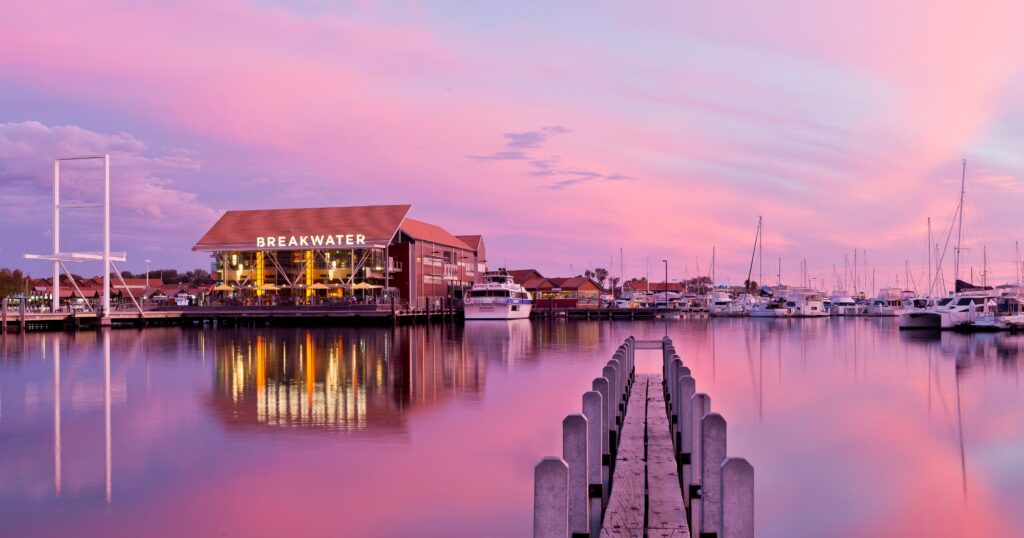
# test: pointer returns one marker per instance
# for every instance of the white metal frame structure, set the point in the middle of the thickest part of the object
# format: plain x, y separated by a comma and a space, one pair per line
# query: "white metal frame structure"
59, 258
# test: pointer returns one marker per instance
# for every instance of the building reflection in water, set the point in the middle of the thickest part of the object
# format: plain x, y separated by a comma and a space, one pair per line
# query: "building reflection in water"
351, 380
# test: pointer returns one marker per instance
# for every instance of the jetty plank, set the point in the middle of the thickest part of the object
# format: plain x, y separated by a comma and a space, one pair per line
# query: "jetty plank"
625, 513
665, 513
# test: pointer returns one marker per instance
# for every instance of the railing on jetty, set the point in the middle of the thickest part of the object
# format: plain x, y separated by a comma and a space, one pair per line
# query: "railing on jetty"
654, 465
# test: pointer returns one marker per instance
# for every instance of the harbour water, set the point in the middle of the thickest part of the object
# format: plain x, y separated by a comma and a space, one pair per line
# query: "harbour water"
853, 427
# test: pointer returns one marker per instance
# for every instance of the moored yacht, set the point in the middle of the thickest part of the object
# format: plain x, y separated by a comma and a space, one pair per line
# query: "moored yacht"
804, 303
950, 312
497, 296
719, 303
842, 304
772, 308
889, 303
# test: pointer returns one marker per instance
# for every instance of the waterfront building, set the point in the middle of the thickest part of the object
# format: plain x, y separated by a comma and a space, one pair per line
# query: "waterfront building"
640, 285
559, 292
366, 253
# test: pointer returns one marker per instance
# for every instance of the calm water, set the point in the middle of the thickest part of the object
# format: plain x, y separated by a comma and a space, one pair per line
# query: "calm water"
853, 428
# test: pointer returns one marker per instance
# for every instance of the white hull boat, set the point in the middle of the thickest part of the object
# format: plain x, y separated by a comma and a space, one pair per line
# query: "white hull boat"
497, 297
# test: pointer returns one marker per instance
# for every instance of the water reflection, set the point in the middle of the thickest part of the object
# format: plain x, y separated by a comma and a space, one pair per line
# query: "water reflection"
854, 426
355, 380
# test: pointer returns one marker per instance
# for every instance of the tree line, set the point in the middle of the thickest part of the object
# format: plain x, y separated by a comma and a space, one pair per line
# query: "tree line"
14, 282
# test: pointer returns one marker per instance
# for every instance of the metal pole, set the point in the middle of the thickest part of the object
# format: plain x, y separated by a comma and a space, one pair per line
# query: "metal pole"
666, 283
106, 238
55, 300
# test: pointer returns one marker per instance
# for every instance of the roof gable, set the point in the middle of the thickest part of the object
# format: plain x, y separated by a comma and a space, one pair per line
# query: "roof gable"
238, 230
423, 231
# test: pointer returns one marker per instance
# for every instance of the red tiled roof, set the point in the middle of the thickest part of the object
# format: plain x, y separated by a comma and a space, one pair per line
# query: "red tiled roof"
472, 240
655, 286
576, 282
238, 230
537, 283
522, 275
422, 231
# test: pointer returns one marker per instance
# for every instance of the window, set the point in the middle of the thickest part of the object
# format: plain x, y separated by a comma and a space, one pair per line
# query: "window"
489, 293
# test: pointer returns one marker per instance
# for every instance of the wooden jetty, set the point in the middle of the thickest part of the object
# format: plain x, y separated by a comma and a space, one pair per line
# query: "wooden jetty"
19, 319
612, 313
662, 470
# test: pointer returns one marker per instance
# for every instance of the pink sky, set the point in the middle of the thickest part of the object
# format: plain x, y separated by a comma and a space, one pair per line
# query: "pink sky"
559, 132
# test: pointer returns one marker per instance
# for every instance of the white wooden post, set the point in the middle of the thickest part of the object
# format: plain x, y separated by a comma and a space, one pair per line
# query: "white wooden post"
700, 405
610, 372
712, 453
593, 409
550, 498
574, 452
600, 385
737, 499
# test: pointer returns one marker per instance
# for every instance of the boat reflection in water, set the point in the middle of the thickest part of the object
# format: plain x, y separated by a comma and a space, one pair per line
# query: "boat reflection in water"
164, 431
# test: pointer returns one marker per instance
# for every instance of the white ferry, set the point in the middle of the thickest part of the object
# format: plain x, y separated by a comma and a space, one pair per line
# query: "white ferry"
497, 297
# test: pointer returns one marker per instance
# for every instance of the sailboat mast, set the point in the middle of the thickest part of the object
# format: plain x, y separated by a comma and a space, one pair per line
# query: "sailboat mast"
757, 237
622, 272
712, 266
928, 250
960, 224
1016, 246
984, 265
760, 254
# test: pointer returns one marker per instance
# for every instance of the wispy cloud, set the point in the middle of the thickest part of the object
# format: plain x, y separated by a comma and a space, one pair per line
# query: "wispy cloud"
545, 167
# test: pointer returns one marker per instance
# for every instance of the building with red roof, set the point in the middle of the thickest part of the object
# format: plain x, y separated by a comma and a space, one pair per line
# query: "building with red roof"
341, 251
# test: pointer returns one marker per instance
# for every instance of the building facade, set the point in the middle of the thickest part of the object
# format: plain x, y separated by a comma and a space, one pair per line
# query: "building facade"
359, 253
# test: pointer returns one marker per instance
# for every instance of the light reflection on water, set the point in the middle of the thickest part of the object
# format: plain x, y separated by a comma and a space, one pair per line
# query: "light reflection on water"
852, 426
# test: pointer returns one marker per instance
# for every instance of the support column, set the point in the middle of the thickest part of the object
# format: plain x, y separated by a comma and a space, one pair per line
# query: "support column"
55, 300
105, 301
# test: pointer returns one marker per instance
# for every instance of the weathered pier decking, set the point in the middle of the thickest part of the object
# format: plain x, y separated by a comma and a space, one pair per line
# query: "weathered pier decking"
18, 319
663, 469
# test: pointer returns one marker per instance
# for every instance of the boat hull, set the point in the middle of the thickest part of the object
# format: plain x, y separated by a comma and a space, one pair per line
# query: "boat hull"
920, 320
499, 311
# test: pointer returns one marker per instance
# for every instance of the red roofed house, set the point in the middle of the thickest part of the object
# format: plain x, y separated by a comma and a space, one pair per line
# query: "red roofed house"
571, 292
641, 285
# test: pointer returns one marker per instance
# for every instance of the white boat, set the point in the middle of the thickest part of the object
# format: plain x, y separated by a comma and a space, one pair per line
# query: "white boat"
951, 312
769, 309
1007, 314
804, 303
719, 303
889, 303
842, 304
497, 296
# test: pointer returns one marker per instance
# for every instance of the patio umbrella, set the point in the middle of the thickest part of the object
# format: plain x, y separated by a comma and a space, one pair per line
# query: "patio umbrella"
319, 286
268, 287
223, 287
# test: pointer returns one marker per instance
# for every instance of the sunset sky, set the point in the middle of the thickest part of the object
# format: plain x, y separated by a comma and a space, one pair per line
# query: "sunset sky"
559, 131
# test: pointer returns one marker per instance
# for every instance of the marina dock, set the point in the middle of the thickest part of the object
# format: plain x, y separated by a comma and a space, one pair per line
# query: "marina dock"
16, 320
647, 457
